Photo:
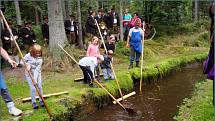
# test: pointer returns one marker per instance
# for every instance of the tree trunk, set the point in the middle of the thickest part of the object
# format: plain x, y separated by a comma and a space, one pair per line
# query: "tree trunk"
196, 10
56, 27
64, 9
37, 17
121, 20
68, 8
18, 15
80, 37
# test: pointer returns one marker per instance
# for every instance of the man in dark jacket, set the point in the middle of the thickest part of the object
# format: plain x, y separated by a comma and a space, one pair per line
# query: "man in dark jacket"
28, 36
91, 25
6, 38
45, 30
71, 29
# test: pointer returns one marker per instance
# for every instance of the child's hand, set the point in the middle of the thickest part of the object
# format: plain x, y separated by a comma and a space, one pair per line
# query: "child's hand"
28, 67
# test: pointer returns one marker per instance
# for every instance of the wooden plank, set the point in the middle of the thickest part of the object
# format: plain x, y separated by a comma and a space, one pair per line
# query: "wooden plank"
125, 96
44, 96
82, 78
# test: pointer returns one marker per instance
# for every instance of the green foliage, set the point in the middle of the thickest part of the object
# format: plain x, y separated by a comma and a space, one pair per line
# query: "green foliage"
199, 107
163, 68
38, 32
9, 12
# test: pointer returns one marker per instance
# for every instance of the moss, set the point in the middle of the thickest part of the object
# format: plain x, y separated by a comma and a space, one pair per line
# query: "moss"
163, 68
199, 107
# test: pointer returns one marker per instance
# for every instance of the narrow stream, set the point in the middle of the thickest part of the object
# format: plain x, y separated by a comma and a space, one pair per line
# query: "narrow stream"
158, 102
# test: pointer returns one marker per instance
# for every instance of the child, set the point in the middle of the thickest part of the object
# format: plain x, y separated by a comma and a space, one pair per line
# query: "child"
34, 63
88, 65
110, 45
106, 67
4, 92
93, 51
93, 48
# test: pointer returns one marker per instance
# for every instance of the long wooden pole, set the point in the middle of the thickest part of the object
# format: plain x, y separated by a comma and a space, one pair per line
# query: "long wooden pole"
95, 80
32, 79
109, 94
141, 68
103, 42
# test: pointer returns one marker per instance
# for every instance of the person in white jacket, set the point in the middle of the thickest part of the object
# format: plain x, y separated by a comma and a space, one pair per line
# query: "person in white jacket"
88, 65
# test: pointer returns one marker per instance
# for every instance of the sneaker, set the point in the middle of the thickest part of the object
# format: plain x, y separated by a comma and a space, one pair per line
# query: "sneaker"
13, 110
35, 106
41, 104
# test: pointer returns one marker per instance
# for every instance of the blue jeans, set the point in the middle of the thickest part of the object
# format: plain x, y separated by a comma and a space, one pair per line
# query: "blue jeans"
107, 73
132, 55
3, 90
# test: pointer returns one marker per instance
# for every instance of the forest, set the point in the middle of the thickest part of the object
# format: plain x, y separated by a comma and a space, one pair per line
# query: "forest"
175, 35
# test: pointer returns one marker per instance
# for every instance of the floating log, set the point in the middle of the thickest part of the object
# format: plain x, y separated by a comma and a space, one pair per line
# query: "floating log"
125, 96
82, 78
44, 96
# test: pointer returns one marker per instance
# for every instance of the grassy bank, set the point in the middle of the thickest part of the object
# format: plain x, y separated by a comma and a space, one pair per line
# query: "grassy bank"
199, 107
160, 57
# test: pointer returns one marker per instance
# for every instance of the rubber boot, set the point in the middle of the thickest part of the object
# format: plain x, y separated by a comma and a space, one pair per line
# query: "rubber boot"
130, 66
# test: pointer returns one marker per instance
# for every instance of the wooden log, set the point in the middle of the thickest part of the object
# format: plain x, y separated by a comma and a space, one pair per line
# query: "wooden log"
82, 78
125, 96
44, 96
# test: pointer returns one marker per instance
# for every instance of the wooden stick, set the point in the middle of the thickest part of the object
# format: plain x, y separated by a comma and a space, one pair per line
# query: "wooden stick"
98, 83
109, 94
29, 73
117, 82
68, 54
141, 68
82, 78
44, 96
125, 96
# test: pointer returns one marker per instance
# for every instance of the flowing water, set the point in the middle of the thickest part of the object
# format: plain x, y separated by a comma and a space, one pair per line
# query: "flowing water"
158, 102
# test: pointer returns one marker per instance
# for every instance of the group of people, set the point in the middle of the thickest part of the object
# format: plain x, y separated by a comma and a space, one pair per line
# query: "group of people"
108, 23
25, 36
90, 64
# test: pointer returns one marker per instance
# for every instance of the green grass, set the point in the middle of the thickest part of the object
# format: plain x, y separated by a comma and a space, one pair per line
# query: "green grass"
166, 54
199, 107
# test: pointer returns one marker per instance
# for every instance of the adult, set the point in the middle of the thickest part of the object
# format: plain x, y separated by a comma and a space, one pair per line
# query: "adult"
209, 63
135, 41
101, 19
6, 38
126, 23
3, 87
28, 36
8, 43
71, 29
134, 19
45, 30
91, 25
